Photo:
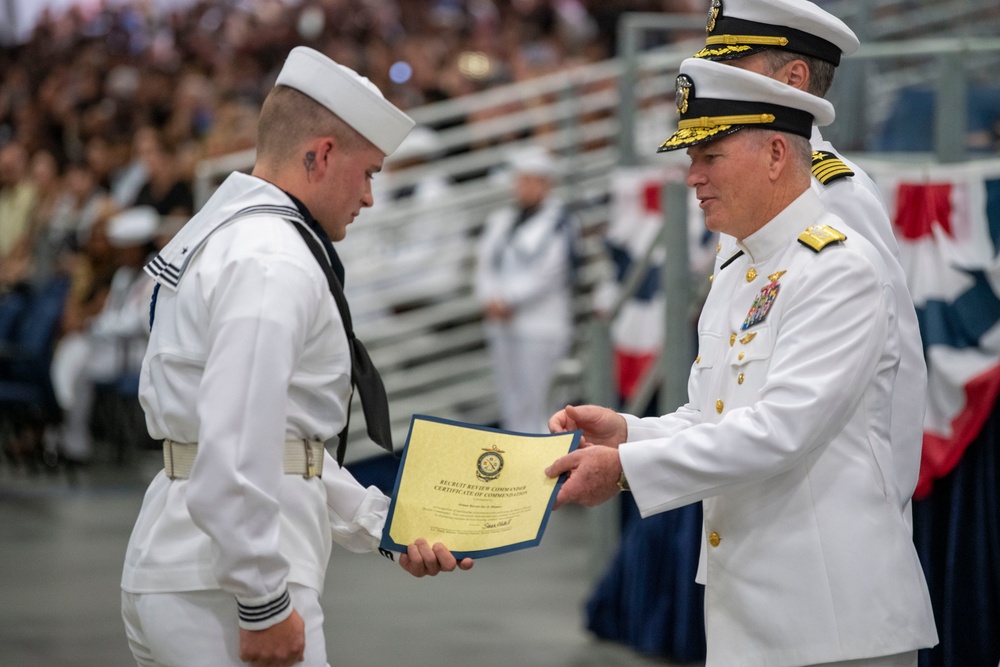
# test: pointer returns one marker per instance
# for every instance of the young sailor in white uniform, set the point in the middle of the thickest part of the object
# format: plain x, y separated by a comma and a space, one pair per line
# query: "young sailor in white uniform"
248, 372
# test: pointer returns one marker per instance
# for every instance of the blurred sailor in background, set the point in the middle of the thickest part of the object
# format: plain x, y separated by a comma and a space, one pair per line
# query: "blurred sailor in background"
526, 262
113, 343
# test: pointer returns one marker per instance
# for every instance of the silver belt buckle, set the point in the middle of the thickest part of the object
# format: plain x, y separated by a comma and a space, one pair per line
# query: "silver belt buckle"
310, 461
168, 456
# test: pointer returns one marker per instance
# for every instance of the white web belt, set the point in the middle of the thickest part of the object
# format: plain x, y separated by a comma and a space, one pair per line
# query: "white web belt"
301, 457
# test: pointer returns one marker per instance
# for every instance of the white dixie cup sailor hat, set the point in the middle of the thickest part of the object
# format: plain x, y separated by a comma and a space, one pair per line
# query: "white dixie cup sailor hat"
714, 100
134, 226
352, 97
534, 161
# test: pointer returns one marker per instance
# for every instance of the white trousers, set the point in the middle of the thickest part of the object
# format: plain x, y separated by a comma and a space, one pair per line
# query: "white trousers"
201, 628
908, 659
524, 368
75, 393
77, 363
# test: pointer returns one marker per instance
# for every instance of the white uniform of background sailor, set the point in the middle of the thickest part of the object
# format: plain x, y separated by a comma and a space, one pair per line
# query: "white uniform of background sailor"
525, 261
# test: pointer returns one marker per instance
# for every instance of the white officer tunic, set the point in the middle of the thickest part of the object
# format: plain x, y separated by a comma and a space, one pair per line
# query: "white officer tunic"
248, 351
856, 200
786, 439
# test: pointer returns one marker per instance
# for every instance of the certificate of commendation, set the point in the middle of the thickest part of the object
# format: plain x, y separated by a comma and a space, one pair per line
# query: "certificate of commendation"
480, 491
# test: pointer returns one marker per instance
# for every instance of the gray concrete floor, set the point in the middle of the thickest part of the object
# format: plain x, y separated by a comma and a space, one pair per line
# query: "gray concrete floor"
62, 543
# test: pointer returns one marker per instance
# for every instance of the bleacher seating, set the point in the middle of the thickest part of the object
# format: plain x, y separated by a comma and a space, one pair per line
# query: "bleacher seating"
910, 124
30, 323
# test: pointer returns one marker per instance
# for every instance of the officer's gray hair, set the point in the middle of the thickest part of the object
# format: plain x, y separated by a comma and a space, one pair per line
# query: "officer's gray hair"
820, 71
799, 146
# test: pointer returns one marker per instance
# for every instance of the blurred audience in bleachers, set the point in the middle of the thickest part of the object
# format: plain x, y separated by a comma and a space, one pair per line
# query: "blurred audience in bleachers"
108, 106
198, 73
17, 203
165, 187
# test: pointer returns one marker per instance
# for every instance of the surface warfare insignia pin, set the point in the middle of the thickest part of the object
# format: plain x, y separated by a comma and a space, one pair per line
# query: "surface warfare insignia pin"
682, 91
489, 464
762, 302
713, 15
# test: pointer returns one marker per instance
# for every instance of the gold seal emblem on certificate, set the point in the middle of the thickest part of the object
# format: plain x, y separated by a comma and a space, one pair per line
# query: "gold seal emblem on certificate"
449, 488
489, 464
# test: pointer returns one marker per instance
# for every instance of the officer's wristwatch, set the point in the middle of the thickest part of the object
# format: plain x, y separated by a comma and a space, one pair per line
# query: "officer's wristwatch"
623, 482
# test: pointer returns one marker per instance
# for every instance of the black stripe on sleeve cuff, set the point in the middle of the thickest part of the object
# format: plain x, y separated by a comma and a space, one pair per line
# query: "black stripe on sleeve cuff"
260, 614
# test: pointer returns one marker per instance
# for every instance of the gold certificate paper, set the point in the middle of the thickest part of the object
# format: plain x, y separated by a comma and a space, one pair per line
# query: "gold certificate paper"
480, 491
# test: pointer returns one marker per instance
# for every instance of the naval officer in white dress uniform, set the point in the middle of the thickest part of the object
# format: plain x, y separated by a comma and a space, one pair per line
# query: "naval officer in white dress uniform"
798, 43
785, 435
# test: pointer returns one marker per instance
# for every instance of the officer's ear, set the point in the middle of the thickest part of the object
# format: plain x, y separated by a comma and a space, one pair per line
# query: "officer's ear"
779, 153
796, 74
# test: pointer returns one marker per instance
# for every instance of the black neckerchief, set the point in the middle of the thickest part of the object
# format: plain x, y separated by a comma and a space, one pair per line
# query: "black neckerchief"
338, 266
364, 376
524, 213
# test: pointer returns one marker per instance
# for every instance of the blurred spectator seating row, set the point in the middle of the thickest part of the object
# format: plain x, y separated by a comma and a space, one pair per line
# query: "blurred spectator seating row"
910, 124
70, 349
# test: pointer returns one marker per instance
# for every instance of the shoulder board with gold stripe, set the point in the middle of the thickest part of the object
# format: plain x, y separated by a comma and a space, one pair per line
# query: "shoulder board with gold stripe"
827, 167
818, 237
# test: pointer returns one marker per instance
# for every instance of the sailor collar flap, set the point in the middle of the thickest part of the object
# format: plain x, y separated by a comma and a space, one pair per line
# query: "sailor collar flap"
240, 196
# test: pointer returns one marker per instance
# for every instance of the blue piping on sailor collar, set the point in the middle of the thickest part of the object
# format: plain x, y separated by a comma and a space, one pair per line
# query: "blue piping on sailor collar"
324, 239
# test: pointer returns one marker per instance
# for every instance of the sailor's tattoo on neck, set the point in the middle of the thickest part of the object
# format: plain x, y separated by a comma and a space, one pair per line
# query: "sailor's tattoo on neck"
309, 161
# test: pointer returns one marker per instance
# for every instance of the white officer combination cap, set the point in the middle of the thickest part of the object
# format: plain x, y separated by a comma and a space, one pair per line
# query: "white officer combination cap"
535, 161
715, 100
133, 227
352, 97
738, 28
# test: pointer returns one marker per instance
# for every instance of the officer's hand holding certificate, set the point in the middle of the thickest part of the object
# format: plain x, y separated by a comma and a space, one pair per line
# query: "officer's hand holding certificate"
479, 490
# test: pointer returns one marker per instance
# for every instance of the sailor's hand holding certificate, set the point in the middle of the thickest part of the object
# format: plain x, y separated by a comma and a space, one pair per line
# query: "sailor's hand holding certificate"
481, 491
